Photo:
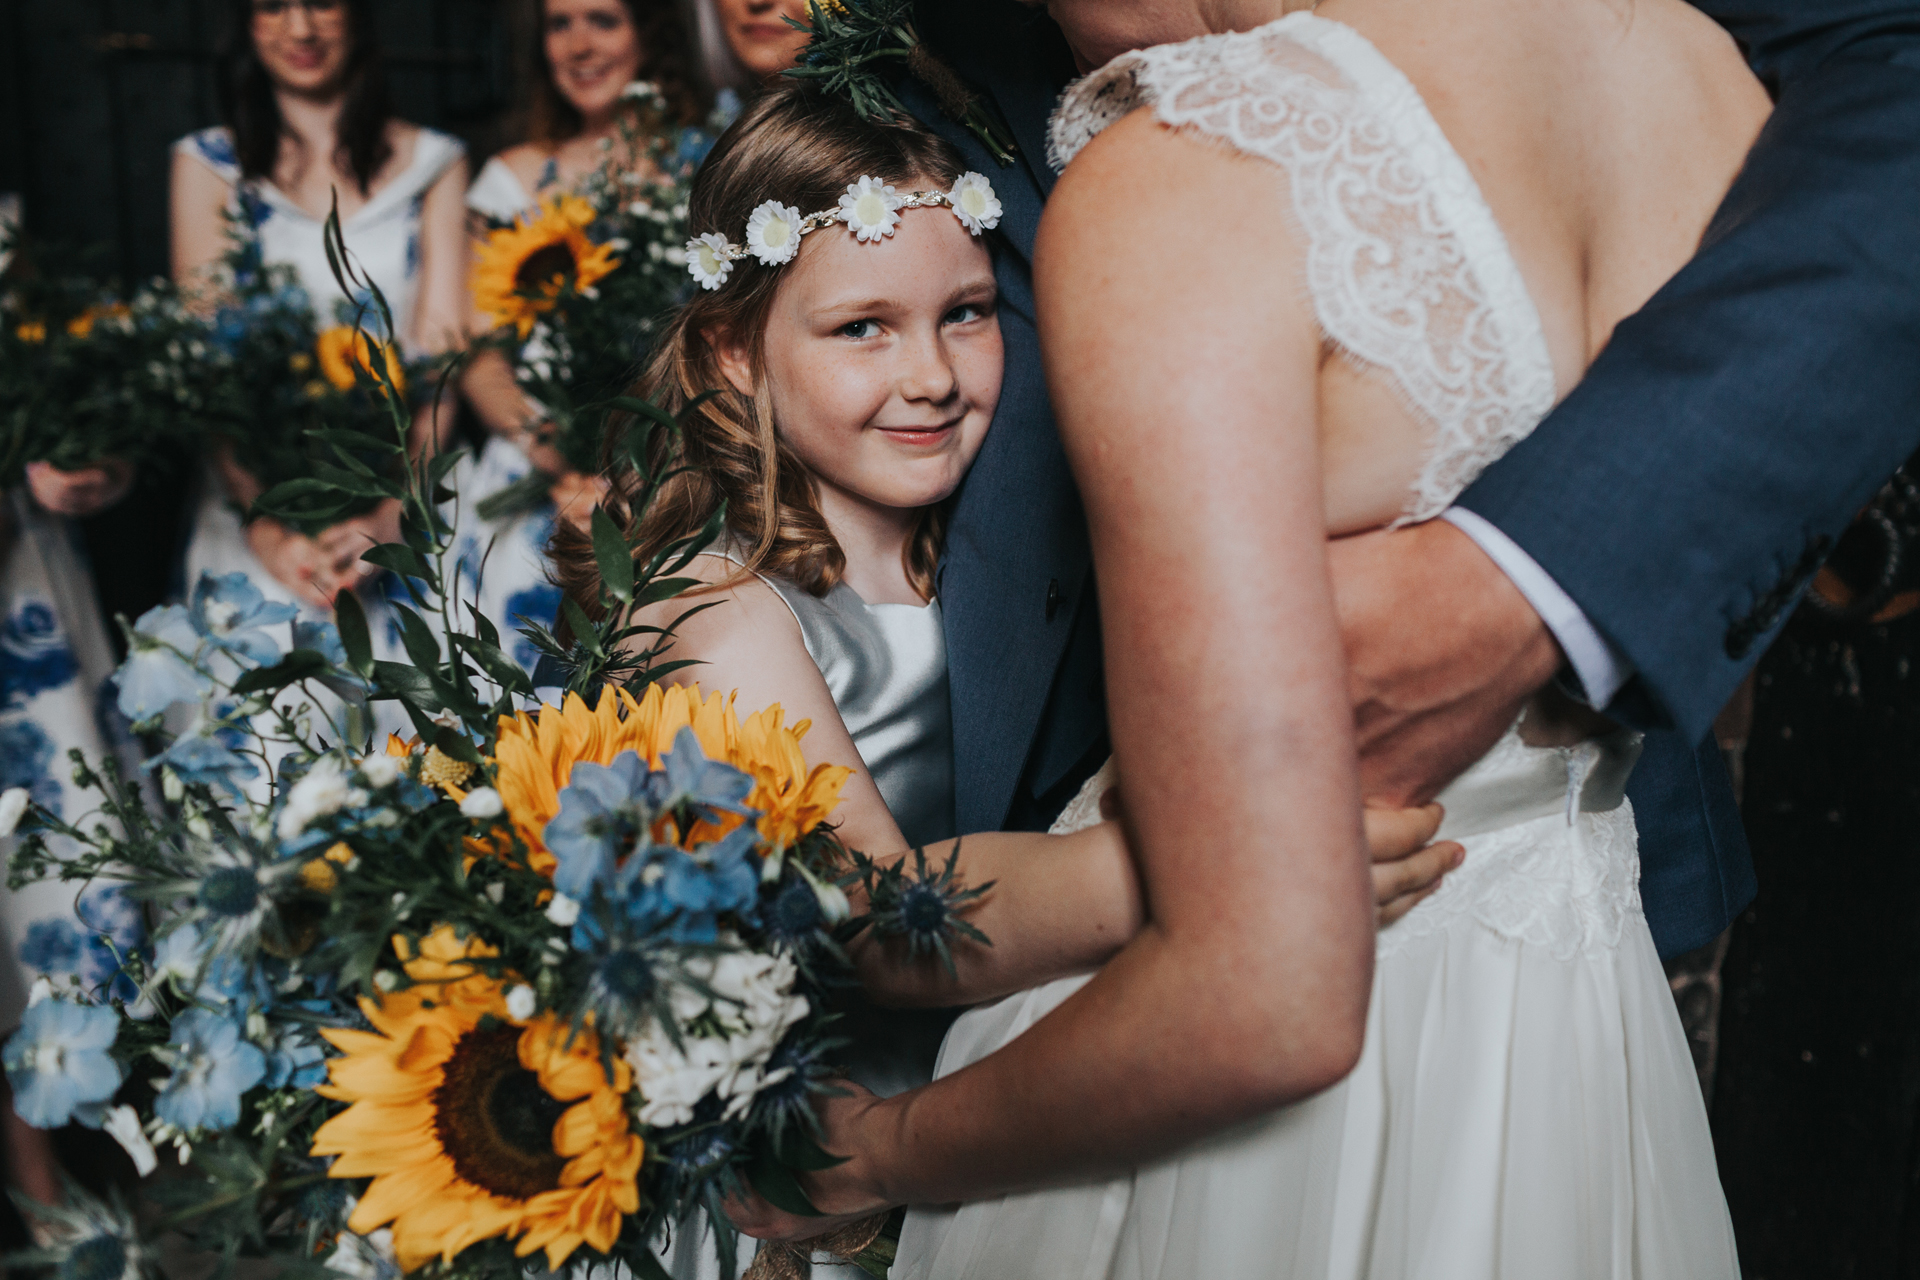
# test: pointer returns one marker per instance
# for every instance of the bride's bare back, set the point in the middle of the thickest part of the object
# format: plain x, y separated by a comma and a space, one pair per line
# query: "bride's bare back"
1603, 135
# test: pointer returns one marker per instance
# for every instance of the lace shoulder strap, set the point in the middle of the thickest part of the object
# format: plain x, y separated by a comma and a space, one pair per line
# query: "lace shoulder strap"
1406, 266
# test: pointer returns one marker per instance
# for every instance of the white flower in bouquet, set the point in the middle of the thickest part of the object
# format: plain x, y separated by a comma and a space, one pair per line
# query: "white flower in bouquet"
324, 789
381, 770
13, 804
481, 803
753, 1005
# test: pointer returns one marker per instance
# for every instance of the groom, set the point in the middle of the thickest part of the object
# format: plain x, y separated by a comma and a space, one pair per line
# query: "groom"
1642, 545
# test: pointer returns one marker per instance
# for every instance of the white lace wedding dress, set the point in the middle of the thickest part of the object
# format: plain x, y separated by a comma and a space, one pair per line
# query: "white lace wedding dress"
1525, 1106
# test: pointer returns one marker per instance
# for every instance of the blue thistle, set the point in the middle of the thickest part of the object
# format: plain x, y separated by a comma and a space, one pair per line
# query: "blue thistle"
921, 905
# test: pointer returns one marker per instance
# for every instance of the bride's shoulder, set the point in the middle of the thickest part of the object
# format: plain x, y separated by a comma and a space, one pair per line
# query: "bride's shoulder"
1210, 82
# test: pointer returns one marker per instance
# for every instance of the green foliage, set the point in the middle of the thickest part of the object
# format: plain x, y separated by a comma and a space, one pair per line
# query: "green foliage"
304, 409
86, 374
855, 42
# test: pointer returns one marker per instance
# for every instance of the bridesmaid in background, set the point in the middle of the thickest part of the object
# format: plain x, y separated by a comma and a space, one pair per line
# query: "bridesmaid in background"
54, 661
745, 43
579, 55
308, 122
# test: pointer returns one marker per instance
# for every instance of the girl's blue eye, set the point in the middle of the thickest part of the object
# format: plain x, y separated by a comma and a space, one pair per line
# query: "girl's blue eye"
964, 312
859, 329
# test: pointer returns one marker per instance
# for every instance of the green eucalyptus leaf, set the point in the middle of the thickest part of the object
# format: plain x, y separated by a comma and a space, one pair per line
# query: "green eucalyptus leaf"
351, 620
612, 556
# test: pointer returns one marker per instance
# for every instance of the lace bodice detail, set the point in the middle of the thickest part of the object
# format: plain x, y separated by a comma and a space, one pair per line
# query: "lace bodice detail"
1407, 269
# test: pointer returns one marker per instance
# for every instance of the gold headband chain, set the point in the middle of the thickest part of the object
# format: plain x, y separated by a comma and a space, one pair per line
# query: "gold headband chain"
870, 209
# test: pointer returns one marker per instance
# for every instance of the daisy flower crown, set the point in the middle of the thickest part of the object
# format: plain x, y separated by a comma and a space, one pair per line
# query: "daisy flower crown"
870, 209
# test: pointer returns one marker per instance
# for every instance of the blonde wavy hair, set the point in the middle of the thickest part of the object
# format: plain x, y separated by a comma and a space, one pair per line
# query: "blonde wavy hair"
803, 149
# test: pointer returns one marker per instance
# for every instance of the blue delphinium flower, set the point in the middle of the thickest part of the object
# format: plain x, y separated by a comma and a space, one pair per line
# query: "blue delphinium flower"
687, 776
603, 814
206, 762
57, 1062
297, 1059
321, 637
600, 840
230, 612
212, 1067
158, 671
713, 880
179, 954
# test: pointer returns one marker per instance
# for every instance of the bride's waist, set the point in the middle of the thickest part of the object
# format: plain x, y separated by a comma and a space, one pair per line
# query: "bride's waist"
1515, 783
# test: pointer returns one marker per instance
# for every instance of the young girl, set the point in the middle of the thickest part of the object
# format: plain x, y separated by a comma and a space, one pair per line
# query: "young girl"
858, 364
847, 319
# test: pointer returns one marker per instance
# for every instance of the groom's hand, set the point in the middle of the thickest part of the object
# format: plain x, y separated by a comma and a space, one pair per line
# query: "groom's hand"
1442, 651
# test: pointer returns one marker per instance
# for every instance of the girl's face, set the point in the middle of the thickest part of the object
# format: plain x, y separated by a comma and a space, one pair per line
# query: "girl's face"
594, 52
303, 44
765, 45
883, 360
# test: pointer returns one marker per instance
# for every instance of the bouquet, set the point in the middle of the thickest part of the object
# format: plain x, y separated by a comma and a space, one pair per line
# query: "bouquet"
290, 396
577, 289
87, 375
537, 980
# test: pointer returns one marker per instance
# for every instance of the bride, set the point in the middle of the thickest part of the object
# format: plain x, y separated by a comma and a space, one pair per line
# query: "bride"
1305, 274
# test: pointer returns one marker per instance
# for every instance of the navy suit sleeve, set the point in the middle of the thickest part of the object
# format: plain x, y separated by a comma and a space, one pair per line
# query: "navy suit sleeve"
1687, 490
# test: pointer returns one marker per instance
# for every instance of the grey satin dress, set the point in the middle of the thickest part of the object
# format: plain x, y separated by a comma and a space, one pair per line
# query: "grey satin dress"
886, 667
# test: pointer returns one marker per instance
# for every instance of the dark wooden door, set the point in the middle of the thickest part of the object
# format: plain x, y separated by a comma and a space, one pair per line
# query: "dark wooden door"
93, 92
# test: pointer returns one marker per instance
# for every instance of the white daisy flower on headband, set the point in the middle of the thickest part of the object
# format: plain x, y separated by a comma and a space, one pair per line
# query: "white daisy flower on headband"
974, 203
773, 233
870, 209
709, 261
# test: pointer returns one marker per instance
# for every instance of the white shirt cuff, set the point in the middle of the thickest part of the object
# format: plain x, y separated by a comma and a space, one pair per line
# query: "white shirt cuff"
1600, 668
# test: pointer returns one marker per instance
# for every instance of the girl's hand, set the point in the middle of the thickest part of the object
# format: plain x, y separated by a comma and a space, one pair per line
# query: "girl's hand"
575, 494
844, 1194
295, 561
343, 544
79, 493
1405, 867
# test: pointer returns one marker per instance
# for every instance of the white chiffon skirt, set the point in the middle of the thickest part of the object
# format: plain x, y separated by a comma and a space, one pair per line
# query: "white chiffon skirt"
1525, 1106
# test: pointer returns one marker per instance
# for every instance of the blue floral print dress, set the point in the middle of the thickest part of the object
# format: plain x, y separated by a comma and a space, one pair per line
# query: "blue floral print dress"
54, 698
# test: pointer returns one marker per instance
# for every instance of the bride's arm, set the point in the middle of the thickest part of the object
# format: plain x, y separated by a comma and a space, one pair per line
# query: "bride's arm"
1182, 358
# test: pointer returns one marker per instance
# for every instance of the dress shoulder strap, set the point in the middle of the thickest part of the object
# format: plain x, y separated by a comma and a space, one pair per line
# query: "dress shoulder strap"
214, 148
498, 193
1407, 269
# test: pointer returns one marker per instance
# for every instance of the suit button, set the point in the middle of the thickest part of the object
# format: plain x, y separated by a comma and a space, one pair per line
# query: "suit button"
1053, 597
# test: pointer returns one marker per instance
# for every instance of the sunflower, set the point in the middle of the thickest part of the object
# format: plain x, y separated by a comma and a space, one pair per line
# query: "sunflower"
522, 268
472, 1125
536, 754
344, 349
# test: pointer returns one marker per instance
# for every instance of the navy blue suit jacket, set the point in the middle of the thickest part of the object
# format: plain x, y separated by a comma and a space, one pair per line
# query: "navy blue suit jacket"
1682, 495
